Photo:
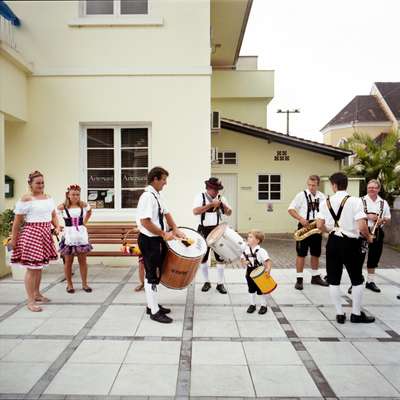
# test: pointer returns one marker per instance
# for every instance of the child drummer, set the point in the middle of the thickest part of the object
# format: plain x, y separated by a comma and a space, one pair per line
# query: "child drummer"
255, 256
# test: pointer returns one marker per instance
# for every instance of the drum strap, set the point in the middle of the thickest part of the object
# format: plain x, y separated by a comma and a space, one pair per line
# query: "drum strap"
336, 217
254, 257
311, 206
160, 213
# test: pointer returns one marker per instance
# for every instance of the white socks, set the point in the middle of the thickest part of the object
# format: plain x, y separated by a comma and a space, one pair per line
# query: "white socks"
220, 273
252, 299
357, 293
315, 272
336, 298
151, 297
264, 300
370, 277
299, 274
204, 271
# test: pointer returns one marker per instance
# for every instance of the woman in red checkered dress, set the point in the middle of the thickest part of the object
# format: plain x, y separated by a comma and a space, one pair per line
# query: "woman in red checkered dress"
33, 246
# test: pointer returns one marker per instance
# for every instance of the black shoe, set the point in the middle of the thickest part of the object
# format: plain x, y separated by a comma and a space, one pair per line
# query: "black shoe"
350, 290
160, 317
372, 286
398, 296
362, 318
317, 280
206, 287
263, 310
299, 284
221, 288
340, 318
251, 309
162, 309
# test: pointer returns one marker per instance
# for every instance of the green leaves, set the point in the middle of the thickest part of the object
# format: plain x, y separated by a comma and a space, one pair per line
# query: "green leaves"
6, 220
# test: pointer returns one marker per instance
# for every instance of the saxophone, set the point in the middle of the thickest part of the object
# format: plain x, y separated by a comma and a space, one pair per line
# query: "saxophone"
307, 231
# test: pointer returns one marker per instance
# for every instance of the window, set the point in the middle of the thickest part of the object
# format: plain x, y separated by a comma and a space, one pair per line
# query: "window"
116, 7
116, 166
227, 157
269, 187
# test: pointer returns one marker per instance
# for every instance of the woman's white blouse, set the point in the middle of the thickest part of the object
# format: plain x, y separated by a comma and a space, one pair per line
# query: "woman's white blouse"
36, 210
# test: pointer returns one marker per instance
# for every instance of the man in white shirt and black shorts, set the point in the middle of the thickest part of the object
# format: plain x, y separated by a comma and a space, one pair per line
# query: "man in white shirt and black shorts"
209, 207
344, 218
151, 215
378, 214
304, 208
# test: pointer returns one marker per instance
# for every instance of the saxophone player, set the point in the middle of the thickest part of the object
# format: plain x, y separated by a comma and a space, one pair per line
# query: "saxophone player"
304, 208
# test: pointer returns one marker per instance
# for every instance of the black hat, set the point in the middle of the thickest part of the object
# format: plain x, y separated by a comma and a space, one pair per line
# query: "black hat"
214, 183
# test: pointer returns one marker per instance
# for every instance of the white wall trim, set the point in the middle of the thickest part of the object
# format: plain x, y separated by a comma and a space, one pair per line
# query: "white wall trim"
356, 125
144, 71
15, 57
111, 21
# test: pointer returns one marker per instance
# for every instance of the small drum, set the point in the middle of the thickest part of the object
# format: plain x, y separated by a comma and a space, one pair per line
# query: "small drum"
181, 262
226, 242
263, 280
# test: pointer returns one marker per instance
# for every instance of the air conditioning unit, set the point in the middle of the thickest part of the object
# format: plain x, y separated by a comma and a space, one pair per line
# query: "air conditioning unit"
215, 121
214, 155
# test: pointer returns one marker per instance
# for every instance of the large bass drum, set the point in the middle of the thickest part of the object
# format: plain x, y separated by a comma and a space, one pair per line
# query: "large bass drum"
181, 262
226, 242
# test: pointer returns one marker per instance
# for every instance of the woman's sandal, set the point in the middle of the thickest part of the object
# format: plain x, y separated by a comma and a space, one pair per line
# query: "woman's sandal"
34, 308
139, 287
70, 290
42, 299
87, 289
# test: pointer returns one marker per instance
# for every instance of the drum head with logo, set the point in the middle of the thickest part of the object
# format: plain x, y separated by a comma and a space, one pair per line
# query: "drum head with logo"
195, 250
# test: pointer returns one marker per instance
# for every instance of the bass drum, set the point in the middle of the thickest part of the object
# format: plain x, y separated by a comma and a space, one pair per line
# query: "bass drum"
181, 262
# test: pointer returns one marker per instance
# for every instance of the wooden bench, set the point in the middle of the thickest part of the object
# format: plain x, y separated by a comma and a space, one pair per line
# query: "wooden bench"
111, 234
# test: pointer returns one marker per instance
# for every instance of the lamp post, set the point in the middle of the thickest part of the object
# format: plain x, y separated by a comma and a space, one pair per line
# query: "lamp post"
287, 112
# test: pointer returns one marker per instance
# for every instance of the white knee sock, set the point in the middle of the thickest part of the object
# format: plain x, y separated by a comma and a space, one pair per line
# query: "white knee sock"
204, 271
370, 277
151, 297
357, 293
252, 299
315, 272
220, 273
299, 274
336, 299
263, 298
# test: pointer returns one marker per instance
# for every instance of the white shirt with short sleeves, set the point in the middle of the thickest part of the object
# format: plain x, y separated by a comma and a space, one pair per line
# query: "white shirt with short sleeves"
261, 255
211, 218
375, 207
299, 203
36, 210
353, 211
148, 208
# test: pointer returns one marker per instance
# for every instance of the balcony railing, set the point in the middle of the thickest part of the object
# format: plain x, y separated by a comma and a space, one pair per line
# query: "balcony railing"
7, 32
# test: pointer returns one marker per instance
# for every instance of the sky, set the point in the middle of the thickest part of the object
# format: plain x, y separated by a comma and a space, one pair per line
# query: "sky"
324, 52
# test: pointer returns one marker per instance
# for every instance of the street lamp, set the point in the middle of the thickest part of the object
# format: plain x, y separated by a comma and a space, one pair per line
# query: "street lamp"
287, 112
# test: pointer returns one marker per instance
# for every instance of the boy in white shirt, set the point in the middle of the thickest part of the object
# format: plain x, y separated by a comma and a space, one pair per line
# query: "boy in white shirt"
255, 256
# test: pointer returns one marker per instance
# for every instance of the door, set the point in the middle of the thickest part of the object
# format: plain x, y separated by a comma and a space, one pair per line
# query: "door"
229, 181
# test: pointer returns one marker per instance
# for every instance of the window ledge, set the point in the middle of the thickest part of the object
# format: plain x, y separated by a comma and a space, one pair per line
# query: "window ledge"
110, 21
113, 215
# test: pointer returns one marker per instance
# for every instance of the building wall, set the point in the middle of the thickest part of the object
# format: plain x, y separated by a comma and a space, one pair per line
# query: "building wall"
50, 141
256, 156
333, 136
13, 90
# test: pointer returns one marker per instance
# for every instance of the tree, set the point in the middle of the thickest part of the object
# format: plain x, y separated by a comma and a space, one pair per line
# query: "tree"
377, 158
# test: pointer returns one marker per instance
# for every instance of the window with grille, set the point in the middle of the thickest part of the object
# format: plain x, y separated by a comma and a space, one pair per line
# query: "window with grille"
269, 187
116, 166
116, 7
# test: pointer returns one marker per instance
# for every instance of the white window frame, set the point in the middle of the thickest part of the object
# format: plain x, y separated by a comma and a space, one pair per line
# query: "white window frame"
257, 191
223, 157
117, 213
116, 10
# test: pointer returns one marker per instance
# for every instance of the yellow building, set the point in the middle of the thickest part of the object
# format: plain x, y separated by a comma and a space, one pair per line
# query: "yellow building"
373, 114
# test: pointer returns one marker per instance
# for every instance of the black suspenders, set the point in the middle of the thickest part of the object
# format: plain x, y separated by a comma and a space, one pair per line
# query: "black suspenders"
218, 211
336, 217
160, 213
311, 205
254, 256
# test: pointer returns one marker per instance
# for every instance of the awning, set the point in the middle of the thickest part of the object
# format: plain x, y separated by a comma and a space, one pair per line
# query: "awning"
7, 13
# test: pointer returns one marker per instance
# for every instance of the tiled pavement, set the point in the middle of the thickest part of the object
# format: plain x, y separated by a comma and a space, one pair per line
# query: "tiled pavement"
103, 346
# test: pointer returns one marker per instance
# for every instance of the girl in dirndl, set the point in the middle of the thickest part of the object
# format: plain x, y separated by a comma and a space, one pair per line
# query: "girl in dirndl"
33, 246
75, 240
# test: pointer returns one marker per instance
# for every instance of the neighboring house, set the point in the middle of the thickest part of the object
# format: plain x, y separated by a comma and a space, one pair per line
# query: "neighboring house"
372, 114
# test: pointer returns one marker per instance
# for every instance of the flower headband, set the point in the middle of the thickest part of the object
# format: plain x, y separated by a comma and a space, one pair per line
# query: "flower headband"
73, 187
33, 175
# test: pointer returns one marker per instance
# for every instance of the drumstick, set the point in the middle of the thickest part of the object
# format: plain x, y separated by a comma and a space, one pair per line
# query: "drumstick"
186, 241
